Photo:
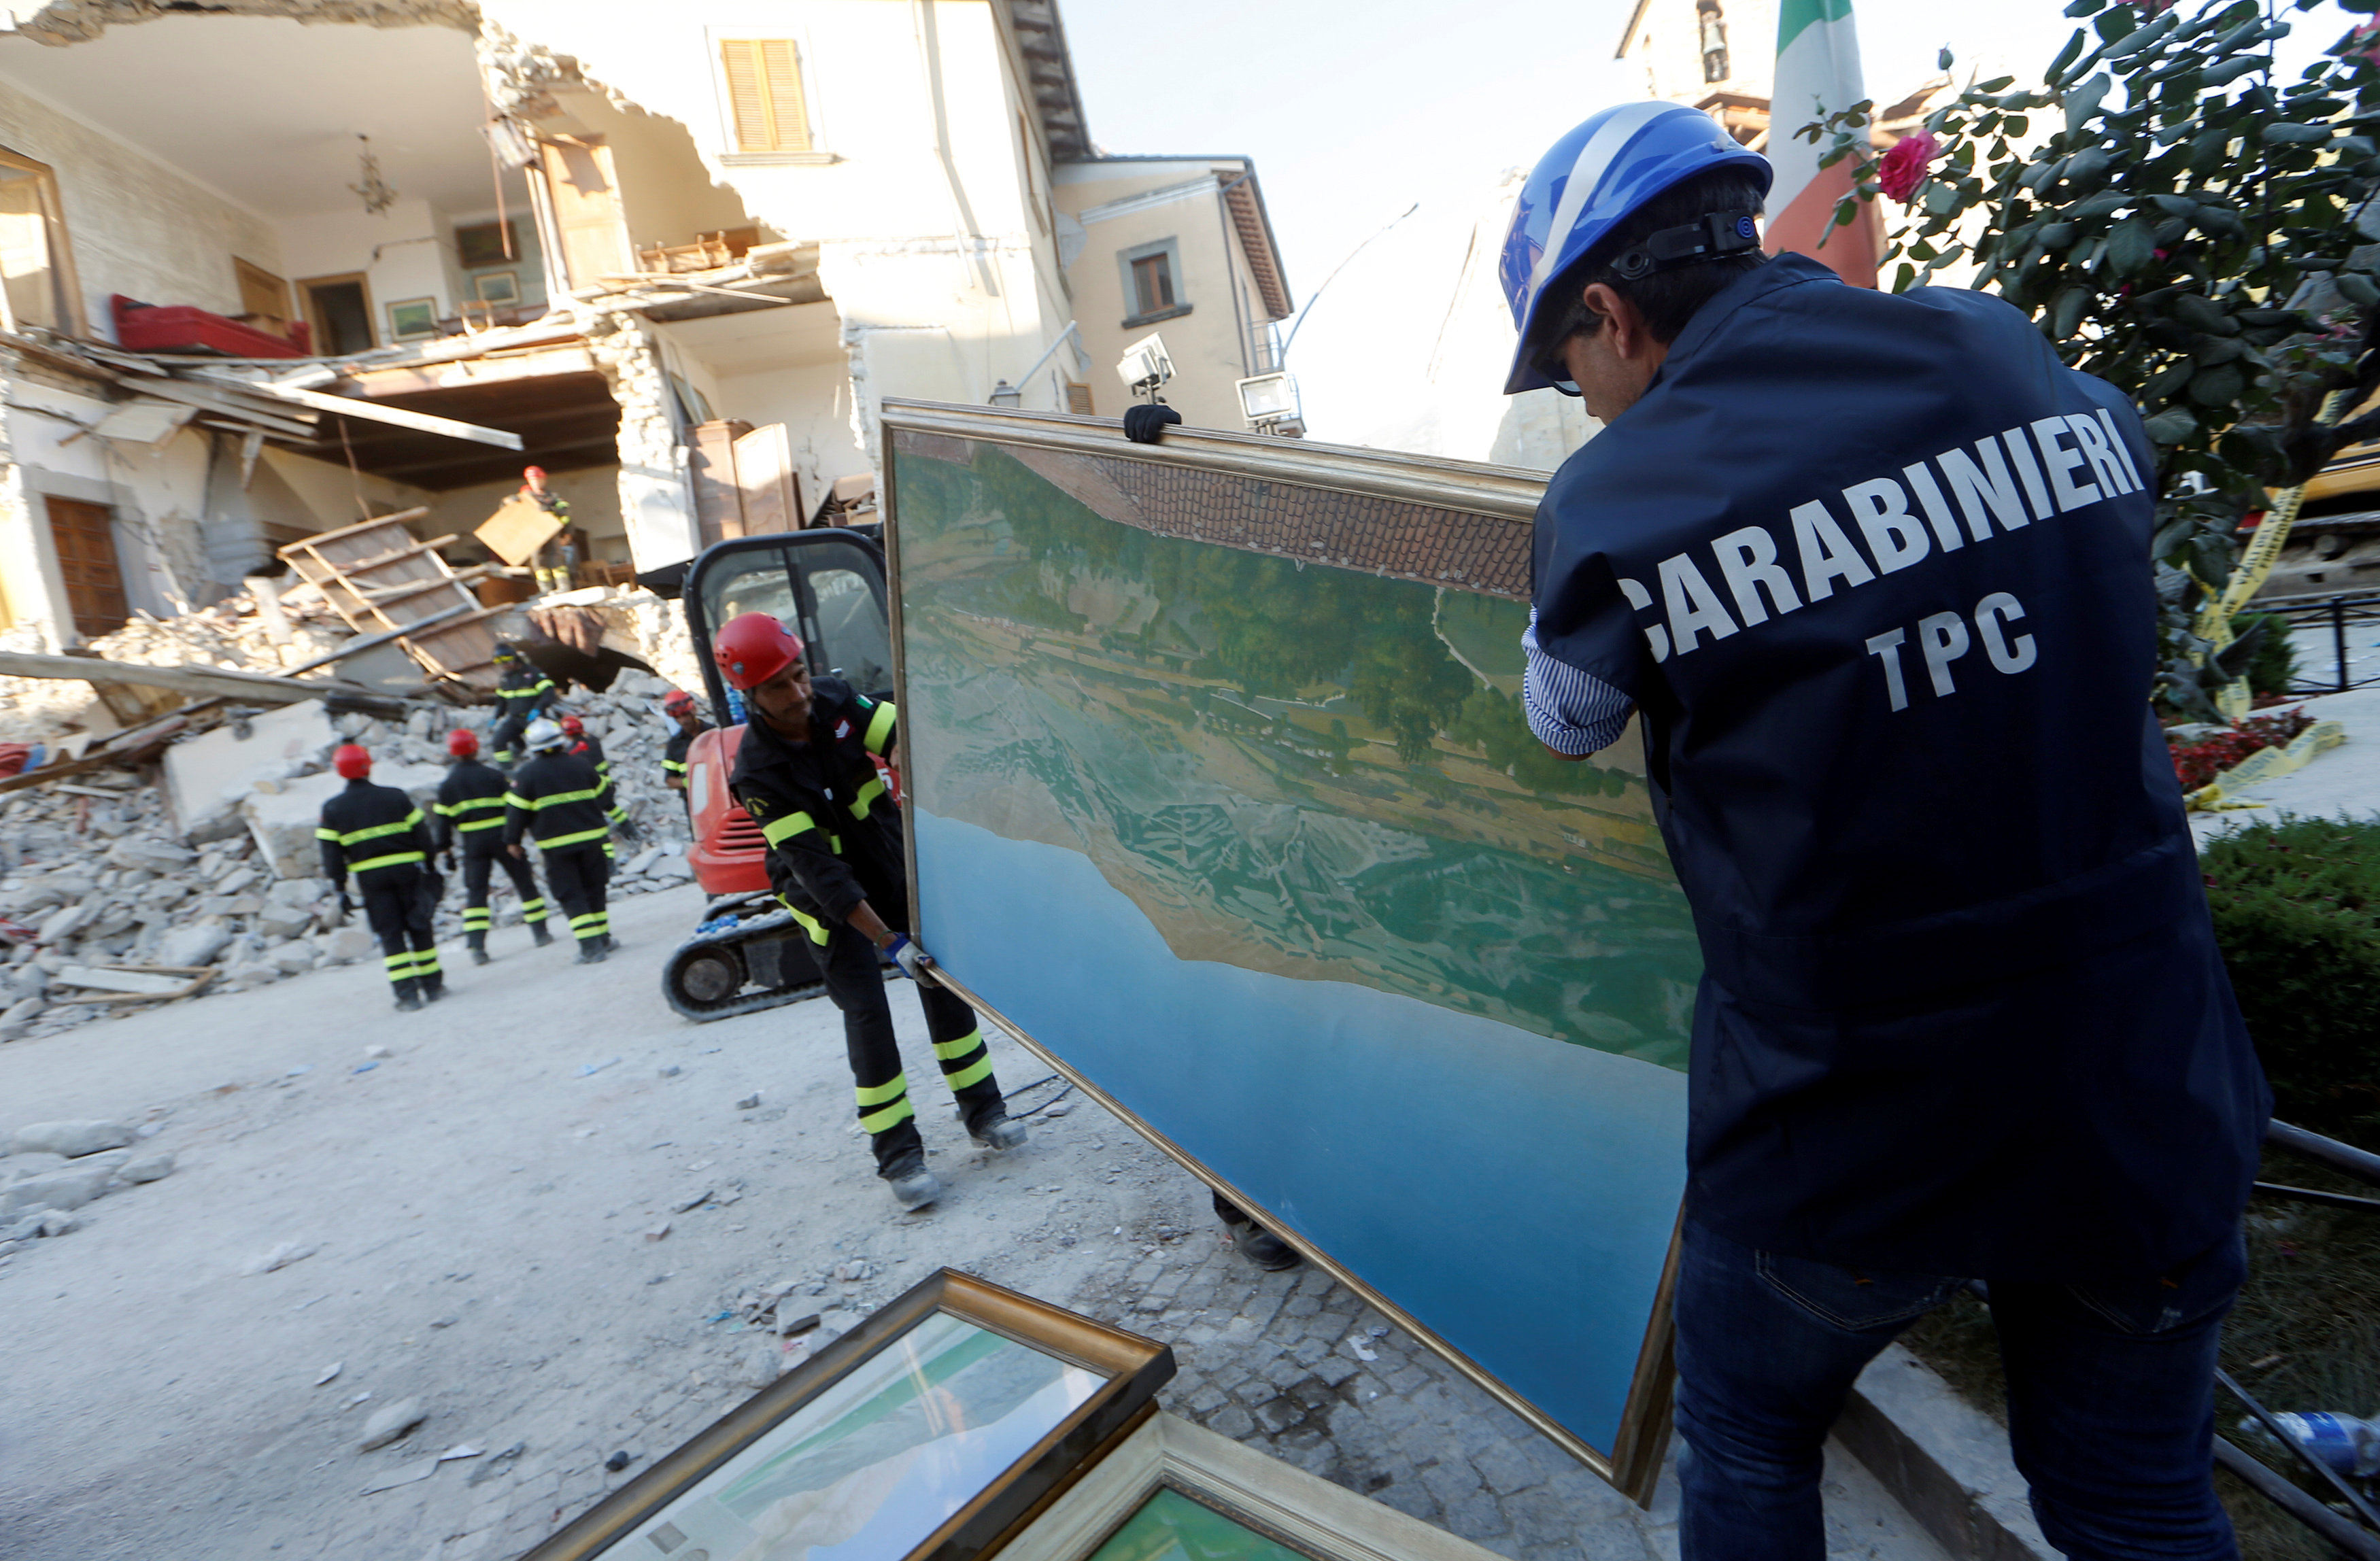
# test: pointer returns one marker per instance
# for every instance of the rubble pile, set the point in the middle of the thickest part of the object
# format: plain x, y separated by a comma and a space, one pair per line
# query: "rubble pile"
51, 1172
217, 866
234, 633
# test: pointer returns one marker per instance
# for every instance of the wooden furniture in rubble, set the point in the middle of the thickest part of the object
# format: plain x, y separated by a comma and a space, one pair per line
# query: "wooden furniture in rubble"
710, 251
743, 480
378, 578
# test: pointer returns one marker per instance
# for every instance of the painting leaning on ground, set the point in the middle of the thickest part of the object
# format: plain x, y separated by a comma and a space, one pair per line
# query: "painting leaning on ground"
1263, 848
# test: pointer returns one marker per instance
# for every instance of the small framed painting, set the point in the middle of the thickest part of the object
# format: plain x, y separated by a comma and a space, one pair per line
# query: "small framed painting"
412, 318
497, 286
925, 1434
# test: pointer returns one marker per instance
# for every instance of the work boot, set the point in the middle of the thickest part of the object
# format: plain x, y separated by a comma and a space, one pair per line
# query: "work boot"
912, 1185
478, 943
996, 1131
433, 988
537, 930
407, 999
480, 956
1264, 1249
591, 951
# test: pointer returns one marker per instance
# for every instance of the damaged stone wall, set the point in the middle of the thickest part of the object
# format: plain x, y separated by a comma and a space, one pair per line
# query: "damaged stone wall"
654, 494
62, 22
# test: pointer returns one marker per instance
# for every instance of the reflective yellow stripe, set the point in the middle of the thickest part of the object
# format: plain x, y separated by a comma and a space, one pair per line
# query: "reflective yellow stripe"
817, 928
326, 834
866, 797
482, 824
673, 767
581, 837
475, 918
514, 799
425, 962
877, 1095
966, 1076
785, 829
356, 837
554, 801
891, 1115
880, 726
946, 1050
399, 860
399, 962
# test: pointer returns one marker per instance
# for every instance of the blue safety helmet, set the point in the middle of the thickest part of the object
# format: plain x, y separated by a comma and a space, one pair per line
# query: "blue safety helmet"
1588, 184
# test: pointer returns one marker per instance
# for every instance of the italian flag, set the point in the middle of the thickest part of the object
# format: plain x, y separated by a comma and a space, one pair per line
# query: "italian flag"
1817, 74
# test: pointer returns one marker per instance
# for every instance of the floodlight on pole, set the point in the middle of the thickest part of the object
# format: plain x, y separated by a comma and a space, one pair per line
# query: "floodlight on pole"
1146, 366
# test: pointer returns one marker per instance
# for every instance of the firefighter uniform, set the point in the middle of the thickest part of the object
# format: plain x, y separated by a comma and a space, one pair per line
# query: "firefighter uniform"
376, 833
522, 694
558, 800
470, 811
833, 840
588, 747
674, 768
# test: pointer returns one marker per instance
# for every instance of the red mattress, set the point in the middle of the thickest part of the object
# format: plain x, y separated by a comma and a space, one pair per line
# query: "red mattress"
179, 328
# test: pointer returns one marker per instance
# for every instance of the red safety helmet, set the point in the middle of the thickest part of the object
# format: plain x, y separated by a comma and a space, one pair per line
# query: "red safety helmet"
753, 648
574, 726
533, 474
676, 701
352, 761
463, 743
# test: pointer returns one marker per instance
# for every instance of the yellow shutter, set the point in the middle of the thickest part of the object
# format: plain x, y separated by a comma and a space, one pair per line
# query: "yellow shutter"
764, 94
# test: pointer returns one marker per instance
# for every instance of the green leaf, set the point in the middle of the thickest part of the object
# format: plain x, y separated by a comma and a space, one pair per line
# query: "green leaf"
1907, 273
2357, 288
2115, 24
2219, 386
2083, 101
2057, 235
2286, 134
2084, 7
2171, 427
2132, 245
1941, 61
2170, 536
2068, 313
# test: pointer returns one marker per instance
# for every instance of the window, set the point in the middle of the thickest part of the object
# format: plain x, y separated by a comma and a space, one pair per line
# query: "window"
36, 274
1152, 284
764, 94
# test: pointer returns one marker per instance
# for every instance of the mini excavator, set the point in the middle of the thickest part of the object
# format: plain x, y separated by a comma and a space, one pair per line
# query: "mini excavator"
828, 585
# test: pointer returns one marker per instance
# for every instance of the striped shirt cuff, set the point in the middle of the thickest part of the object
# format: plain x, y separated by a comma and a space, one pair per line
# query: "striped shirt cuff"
1571, 711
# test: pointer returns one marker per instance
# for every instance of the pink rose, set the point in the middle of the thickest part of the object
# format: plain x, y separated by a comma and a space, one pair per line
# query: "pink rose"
1903, 169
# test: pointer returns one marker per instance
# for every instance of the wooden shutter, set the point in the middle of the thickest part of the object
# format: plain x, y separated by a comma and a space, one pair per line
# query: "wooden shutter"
718, 504
85, 541
1078, 400
764, 94
586, 210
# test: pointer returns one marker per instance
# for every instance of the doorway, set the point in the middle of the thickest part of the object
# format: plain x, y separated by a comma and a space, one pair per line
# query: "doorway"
340, 309
84, 537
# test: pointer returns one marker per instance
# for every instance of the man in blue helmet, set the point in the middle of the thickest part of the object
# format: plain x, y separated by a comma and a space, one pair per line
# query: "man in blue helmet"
1872, 568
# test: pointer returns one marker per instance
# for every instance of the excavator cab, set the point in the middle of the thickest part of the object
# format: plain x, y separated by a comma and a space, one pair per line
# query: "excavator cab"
827, 586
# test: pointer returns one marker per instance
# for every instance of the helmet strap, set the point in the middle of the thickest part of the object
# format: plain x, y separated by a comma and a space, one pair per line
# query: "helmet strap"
1713, 236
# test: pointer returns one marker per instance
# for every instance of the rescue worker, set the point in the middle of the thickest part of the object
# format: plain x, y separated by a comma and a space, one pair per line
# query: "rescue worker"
470, 811
807, 773
557, 799
592, 750
523, 693
1873, 568
376, 833
552, 565
678, 705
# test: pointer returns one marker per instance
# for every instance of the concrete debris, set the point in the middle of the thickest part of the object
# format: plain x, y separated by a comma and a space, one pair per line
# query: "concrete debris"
216, 865
58, 1222
330, 1373
392, 1423
58, 1189
72, 1140
410, 1474
147, 1168
281, 1256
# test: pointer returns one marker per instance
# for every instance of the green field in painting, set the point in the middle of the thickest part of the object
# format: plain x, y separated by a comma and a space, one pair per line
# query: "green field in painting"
1301, 770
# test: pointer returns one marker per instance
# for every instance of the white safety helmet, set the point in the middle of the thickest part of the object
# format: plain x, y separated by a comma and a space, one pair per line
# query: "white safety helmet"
544, 735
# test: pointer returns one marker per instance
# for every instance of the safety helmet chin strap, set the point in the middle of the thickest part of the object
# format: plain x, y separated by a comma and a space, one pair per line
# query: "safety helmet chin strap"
1713, 236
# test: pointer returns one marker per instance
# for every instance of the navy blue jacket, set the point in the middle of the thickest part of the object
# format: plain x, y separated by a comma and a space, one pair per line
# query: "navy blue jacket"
1874, 568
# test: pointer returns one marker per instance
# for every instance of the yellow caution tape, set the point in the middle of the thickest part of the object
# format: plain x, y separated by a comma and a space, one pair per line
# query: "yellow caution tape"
2214, 626
2263, 766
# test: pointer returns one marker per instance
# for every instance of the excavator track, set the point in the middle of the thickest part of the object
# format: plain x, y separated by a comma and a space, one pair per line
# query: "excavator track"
761, 961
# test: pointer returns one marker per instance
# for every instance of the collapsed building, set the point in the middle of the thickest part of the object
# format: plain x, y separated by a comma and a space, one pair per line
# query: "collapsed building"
272, 267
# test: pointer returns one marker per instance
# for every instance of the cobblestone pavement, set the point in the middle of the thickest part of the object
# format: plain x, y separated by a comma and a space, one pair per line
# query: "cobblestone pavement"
1296, 1364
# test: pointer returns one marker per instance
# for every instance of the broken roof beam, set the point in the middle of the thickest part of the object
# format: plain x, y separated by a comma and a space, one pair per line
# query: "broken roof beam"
219, 682
420, 422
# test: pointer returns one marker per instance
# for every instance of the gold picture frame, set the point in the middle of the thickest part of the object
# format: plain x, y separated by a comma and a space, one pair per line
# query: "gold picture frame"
736, 1474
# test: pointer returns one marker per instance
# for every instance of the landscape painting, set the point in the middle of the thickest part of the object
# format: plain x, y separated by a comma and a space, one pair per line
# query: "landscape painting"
1222, 796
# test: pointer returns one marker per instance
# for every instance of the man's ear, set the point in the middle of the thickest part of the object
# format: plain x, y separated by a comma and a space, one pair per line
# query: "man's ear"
1631, 339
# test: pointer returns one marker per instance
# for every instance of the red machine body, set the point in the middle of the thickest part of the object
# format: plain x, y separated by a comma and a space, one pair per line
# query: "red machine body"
728, 854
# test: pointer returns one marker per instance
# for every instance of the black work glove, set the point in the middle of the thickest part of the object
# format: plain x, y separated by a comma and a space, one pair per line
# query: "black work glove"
346, 906
629, 830
1145, 424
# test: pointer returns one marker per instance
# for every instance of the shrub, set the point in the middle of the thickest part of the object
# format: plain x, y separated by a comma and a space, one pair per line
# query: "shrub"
2273, 666
2297, 913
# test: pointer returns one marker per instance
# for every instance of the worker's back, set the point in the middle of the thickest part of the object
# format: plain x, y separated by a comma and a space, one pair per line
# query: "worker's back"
1893, 636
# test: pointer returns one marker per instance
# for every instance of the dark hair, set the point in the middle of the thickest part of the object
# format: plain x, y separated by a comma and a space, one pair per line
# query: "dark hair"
1666, 298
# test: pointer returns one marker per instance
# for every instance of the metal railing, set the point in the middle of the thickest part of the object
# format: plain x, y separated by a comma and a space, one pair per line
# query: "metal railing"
2339, 612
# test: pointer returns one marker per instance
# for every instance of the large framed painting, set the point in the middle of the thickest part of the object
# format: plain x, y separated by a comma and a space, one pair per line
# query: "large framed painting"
936, 1427
1221, 797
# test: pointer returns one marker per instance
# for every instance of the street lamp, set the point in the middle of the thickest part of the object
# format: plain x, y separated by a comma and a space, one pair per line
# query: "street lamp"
1005, 395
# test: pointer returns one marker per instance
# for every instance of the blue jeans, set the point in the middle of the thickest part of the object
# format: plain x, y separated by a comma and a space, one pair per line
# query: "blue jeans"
2111, 1398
